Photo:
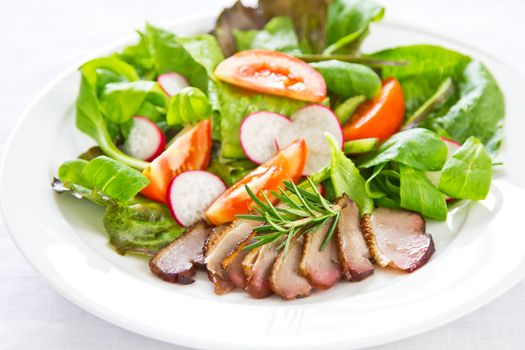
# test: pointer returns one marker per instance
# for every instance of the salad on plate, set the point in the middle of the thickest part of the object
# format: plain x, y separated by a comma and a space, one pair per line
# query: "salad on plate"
276, 155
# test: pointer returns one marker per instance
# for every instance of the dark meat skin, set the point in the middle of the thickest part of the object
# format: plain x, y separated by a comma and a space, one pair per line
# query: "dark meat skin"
176, 262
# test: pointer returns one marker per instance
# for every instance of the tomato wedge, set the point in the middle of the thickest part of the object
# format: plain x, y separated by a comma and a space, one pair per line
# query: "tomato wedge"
273, 73
190, 151
288, 164
380, 117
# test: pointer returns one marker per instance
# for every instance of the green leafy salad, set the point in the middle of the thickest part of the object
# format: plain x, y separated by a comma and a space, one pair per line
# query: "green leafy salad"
278, 104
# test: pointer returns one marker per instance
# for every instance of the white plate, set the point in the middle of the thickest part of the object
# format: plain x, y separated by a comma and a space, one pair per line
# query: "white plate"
479, 255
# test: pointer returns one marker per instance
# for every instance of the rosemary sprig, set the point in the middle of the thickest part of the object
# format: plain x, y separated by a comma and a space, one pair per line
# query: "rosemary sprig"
304, 211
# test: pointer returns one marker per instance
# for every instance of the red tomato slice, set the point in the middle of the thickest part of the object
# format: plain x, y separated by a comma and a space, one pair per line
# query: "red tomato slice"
288, 164
380, 117
273, 73
190, 151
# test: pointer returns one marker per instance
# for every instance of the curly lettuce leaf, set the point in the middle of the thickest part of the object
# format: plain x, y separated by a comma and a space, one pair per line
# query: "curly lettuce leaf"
231, 170
142, 227
349, 79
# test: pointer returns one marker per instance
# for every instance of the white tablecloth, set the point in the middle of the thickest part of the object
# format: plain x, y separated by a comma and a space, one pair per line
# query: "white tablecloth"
39, 38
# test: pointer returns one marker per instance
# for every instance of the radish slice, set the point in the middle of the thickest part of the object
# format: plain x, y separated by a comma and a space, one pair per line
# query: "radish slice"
310, 123
145, 140
258, 134
434, 176
191, 193
171, 83
262, 134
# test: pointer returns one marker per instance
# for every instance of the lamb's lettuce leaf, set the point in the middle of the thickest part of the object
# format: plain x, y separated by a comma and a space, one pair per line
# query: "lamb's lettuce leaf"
348, 22
346, 178
120, 101
479, 110
426, 68
417, 193
278, 35
418, 148
349, 79
467, 174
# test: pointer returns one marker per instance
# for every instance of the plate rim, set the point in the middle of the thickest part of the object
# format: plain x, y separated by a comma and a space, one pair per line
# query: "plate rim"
487, 297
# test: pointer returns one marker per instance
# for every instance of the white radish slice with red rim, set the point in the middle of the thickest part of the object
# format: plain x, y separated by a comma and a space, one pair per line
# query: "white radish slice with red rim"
262, 134
191, 193
258, 135
310, 123
434, 176
171, 83
145, 140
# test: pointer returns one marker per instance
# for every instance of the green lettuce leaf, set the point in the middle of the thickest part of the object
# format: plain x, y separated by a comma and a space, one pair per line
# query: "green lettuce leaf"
348, 22
349, 79
120, 101
346, 178
418, 194
142, 227
89, 120
479, 110
188, 106
104, 175
427, 67
114, 179
468, 173
419, 148
231, 170
277, 35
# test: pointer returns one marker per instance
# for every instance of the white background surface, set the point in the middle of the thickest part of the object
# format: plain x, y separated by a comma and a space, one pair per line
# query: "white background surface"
38, 39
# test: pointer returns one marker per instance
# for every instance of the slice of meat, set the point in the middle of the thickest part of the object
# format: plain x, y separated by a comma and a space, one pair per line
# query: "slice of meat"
285, 279
354, 254
224, 239
398, 239
320, 267
257, 267
176, 262
233, 263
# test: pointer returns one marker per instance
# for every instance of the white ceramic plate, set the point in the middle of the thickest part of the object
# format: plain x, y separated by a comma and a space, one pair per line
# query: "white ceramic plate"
480, 251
